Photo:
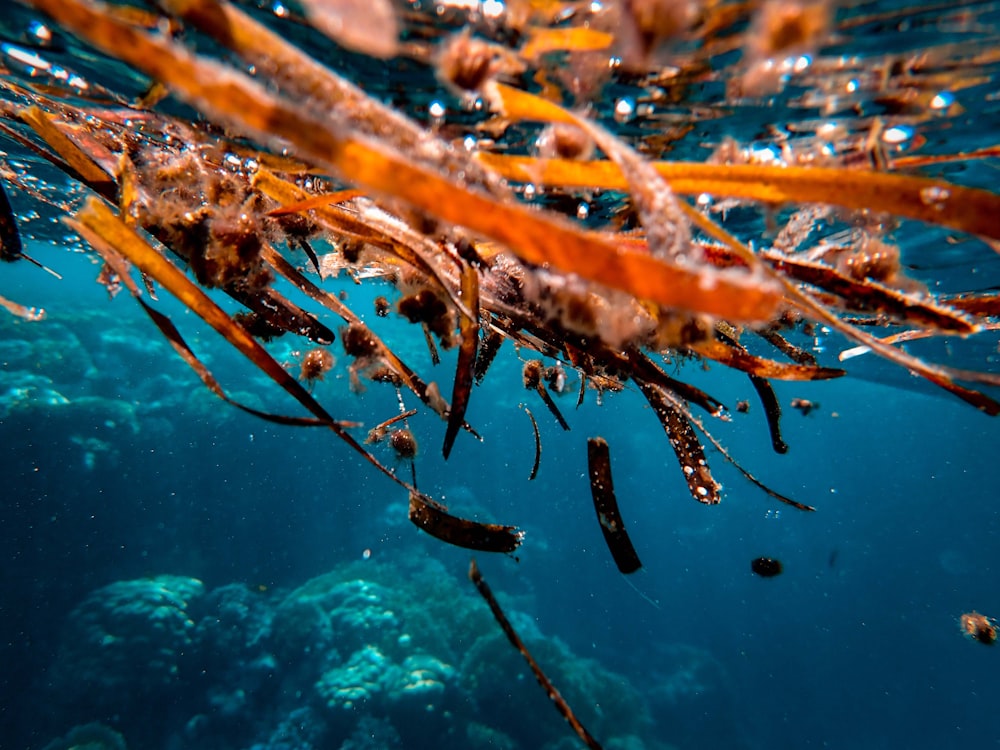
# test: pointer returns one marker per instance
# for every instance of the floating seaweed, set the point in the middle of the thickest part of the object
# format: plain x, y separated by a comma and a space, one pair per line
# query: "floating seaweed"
533, 221
606, 505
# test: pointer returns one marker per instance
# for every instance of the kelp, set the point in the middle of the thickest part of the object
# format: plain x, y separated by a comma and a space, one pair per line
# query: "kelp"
921, 198
433, 518
577, 243
550, 690
602, 490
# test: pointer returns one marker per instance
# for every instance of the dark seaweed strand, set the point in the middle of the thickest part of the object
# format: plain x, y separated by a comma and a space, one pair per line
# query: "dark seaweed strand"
765, 392
557, 700
772, 410
10, 238
684, 441
544, 393
173, 336
465, 367
461, 532
606, 506
487, 351
538, 443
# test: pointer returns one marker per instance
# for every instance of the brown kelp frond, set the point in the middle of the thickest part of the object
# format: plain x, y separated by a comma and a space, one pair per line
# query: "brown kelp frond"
602, 490
362, 188
924, 199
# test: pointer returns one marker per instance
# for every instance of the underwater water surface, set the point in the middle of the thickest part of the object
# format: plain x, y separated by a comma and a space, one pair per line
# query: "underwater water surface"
180, 574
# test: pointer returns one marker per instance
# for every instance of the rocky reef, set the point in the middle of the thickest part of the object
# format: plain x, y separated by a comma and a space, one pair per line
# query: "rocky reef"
368, 655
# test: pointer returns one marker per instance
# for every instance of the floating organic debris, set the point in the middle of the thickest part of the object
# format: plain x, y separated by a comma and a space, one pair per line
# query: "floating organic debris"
550, 188
979, 627
550, 690
606, 504
766, 567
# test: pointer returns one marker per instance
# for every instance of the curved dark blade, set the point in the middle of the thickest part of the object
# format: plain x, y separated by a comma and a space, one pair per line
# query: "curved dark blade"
485, 537
466, 367
603, 491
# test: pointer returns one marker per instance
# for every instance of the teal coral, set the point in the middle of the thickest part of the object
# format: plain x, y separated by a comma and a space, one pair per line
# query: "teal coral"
92, 736
410, 650
129, 634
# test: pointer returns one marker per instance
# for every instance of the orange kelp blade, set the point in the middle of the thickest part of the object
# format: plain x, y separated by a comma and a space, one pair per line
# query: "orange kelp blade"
98, 219
925, 199
540, 237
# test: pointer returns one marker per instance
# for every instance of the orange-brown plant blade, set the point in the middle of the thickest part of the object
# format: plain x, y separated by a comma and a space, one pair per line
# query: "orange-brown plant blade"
461, 532
233, 98
488, 348
99, 220
317, 201
466, 366
406, 375
870, 296
786, 347
550, 690
643, 368
22, 311
551, 405
925, 199
575, 39
10, 237
92, 175
173, 336
602, 489
941, 375
740, 359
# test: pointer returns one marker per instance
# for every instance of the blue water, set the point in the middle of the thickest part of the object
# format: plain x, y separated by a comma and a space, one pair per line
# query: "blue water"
120, 467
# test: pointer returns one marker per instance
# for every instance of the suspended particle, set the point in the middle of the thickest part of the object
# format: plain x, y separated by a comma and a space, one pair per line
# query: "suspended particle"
766, 567
979, 627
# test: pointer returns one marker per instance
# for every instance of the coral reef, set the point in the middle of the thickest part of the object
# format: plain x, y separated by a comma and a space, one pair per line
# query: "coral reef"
368, 655
88, 737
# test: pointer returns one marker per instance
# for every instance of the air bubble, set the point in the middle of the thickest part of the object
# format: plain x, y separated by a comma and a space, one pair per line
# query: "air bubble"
944, 100
624, 109
436, 111
935, 197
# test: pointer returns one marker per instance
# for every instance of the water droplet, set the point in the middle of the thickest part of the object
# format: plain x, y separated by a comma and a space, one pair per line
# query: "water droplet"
944, 100
935, 197
437, 111
624, 109
897, 134
492, 9
40, 31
